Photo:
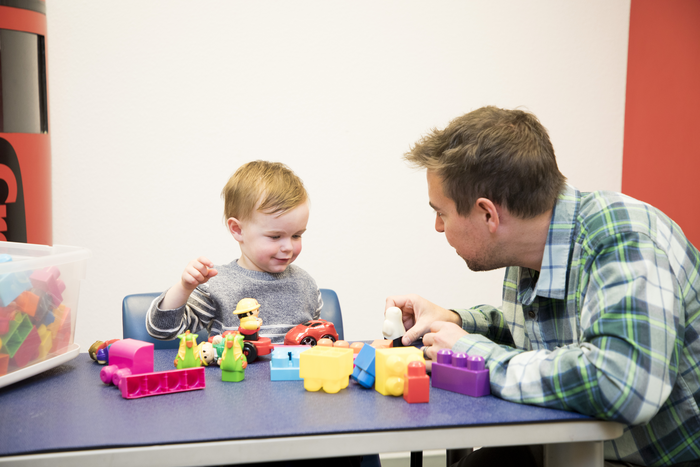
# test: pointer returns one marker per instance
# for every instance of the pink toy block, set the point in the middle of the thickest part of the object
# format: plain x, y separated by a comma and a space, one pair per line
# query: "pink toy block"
162, 382
416, 385
28, 350
127, 357
48, 280
458, 372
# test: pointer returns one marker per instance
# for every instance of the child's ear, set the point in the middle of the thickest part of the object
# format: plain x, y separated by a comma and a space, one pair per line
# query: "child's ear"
235, 227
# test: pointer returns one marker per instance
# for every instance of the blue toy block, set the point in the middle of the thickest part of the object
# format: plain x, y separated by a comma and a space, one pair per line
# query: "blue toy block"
284, 365
12, 285
364, 367
5, 258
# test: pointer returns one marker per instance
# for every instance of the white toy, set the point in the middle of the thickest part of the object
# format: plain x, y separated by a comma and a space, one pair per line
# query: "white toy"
393, 324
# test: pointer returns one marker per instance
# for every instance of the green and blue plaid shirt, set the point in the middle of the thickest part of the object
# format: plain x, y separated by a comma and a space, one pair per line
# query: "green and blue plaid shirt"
610, 326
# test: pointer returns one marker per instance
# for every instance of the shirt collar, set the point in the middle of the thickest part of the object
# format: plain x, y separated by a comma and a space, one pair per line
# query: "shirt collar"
552, 277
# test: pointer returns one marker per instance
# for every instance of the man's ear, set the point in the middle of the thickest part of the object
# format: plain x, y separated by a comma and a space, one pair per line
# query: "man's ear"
236, 228
489, 213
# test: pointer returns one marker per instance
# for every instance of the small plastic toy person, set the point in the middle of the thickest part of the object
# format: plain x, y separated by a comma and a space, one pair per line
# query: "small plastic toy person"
247, 310
188, 353
393, 324
233, 362
208, 353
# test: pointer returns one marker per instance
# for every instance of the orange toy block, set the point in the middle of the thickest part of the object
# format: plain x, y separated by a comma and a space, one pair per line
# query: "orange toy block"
382, 344
4, 362
27, 302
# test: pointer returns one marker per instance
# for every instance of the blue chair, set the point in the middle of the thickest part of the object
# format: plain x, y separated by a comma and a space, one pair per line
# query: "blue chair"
134, 308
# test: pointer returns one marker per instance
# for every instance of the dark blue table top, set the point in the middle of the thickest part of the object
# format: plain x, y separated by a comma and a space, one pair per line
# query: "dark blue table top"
69, 408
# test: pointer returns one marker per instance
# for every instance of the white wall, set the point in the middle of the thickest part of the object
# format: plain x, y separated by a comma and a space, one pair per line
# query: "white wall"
154, 104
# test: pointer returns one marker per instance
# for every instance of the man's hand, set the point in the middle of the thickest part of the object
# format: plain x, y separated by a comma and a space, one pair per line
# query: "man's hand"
442, 335
418, 314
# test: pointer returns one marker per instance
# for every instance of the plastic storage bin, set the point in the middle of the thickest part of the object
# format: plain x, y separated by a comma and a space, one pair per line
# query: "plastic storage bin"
39, 289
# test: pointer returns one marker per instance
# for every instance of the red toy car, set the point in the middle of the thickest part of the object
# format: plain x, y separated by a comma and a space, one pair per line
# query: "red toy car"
310, 332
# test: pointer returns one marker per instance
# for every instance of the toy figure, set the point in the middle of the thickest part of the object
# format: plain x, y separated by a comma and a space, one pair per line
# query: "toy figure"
188, 353
233, 362
247, 310
208, 353
393, 324
99, 351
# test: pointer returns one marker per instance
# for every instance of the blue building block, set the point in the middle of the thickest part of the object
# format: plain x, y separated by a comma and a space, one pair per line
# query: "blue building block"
13, 284
364, 367
284, 365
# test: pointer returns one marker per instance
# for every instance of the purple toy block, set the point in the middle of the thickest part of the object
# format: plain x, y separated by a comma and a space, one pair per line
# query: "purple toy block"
458, 372
162, 382
127, 357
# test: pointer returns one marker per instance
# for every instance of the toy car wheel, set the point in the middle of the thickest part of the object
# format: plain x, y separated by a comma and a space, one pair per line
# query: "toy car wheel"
308, 340
328, 336
250, 352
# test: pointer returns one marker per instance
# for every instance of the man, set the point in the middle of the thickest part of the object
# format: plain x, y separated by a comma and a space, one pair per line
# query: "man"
601, 304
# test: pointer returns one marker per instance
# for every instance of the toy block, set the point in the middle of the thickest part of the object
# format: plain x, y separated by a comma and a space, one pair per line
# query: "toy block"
325, 342
12, 285
27, 302
127, 357
458, 372
390, 367
46, 341
381, 344
364, 372
44, 309
284, 365
357, 346
19, 329
5, 258
47, 279
4, 362
326, 368
62, 316
162, 382
416, 385
342, 344
28, 350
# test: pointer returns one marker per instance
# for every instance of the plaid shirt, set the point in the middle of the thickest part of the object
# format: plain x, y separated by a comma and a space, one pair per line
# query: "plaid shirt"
610, 326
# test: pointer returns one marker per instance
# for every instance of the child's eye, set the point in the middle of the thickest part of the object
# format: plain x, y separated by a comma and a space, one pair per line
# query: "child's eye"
274, 237
296, 236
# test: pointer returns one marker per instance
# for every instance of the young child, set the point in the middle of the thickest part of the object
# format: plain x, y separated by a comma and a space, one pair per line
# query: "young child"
266, 210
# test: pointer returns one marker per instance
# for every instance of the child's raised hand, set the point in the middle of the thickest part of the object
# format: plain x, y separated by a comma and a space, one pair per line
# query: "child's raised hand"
197, 272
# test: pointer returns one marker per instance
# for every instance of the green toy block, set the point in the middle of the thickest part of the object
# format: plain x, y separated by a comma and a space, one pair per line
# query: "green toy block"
20, 327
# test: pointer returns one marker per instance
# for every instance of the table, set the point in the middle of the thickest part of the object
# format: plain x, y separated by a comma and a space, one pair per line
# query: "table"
67, 416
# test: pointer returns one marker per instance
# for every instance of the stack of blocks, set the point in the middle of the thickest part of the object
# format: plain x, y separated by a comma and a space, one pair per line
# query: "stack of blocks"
33, 320
458, 372
284, 365
327, 368
391, 365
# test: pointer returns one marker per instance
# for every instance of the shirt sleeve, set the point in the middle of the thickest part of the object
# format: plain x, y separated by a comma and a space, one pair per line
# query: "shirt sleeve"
630, 337
488, 321
198, 313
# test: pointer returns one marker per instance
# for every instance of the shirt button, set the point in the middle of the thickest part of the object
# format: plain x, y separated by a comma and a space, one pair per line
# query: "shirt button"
531, 314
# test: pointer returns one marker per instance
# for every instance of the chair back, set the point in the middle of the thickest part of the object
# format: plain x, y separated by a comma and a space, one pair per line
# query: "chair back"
135, 307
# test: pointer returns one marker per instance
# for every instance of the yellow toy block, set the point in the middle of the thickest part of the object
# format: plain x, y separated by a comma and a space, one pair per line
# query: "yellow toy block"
46, 341
390, 368
325, 367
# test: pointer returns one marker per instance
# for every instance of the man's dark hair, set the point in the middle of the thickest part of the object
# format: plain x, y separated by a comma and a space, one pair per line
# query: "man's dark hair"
503, 155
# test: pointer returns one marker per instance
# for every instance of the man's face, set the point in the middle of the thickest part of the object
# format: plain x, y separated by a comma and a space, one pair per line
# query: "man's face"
469, 235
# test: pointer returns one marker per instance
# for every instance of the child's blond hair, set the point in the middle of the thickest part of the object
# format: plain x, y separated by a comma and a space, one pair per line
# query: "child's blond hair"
269, 187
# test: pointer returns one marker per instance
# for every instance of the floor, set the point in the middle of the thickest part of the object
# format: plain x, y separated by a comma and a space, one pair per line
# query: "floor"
403, 459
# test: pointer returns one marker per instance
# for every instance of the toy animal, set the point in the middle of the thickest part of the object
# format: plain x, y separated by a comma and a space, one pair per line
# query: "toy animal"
188, 353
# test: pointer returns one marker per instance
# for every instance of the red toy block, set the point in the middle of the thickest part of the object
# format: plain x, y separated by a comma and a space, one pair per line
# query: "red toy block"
28, 350
4, 361
162, 382
27, 302
416, 386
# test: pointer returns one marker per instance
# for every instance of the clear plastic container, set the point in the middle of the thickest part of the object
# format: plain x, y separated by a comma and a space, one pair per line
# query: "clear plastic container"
39, 290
